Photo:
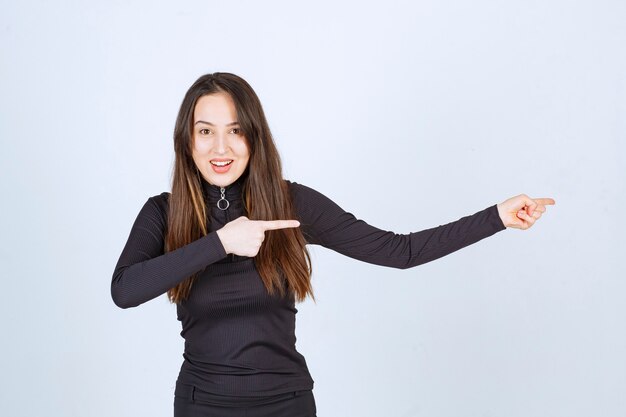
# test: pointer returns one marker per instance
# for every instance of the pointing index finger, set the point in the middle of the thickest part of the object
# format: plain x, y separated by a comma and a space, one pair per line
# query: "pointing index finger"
545, 201
278, 224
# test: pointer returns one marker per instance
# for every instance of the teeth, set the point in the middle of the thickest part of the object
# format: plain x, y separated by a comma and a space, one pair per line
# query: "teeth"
221, 164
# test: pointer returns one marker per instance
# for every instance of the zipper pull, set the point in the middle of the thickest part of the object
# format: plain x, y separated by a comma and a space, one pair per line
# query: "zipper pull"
223, 198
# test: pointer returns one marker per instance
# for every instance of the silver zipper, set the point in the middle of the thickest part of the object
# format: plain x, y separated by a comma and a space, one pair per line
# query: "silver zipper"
223, 198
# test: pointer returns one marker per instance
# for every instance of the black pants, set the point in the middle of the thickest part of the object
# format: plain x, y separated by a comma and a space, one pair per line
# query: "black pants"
189, 401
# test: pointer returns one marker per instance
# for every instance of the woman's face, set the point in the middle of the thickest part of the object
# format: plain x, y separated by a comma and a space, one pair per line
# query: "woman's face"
217, 138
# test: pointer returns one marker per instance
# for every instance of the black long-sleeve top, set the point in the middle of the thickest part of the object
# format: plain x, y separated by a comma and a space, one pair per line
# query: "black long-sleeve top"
239, 340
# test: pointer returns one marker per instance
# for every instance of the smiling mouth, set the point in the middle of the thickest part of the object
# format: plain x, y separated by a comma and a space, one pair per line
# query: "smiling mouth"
221, 163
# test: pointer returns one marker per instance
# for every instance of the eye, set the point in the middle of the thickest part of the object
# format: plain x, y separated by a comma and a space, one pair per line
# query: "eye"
204, 131
236, 131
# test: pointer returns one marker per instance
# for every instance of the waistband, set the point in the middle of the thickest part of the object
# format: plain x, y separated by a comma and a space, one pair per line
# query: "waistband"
194, 394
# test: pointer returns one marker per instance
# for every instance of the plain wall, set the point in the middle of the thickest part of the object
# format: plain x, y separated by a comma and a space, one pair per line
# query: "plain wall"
431, 109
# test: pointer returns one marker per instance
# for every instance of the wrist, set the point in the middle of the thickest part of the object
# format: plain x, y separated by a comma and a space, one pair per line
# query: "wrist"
220, 235
501, 214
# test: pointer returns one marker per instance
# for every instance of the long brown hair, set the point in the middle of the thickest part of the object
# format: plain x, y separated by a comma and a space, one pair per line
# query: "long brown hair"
283, 261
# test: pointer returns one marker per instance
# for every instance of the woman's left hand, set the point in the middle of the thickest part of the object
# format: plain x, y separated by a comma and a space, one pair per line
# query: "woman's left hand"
521, 212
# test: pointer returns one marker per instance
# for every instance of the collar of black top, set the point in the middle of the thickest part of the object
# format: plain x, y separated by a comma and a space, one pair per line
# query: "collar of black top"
231, 192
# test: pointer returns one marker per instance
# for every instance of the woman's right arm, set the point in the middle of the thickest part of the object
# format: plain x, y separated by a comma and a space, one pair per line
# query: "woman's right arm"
144, 272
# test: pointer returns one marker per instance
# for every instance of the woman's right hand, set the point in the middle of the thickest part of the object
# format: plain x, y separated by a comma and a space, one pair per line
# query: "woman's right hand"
243, 236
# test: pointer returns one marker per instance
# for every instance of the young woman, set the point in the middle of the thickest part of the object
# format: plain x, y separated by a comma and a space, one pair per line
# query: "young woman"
228, 246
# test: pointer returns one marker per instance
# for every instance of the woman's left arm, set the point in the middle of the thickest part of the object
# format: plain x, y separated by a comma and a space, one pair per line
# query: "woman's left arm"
325, 223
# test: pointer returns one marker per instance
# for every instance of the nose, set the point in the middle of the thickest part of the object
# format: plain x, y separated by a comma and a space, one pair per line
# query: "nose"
221, 144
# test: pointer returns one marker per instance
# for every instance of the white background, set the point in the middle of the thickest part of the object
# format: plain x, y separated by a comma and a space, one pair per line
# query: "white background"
429, 109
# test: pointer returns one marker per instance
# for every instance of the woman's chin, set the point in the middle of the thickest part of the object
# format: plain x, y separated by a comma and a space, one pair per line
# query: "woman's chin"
222, 179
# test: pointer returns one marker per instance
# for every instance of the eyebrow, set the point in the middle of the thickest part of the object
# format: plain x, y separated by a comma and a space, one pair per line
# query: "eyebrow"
211, 124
